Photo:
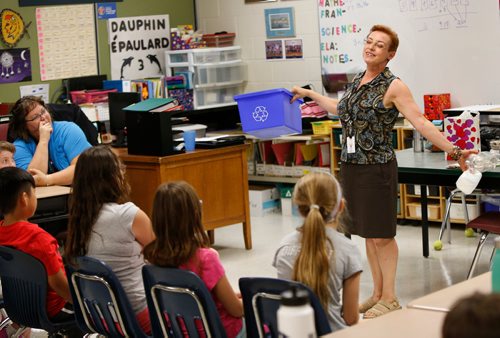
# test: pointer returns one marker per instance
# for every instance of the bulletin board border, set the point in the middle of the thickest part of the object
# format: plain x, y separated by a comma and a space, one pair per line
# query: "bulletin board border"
25, 3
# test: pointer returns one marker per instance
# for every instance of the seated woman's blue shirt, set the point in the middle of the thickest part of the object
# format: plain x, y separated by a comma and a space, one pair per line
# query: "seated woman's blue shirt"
66, 142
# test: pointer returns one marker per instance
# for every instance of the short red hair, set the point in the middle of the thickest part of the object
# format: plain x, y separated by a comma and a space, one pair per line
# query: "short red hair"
392, 35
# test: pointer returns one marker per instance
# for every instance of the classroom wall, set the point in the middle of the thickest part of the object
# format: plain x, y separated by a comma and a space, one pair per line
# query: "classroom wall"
181, 12
247, 21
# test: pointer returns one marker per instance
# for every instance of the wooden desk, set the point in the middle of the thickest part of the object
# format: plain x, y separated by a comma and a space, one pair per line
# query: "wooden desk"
444, 299
407, 323
52, 191
219, 176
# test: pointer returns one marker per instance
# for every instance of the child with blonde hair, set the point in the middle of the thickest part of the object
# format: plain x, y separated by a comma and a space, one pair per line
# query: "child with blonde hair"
7, 151
181, 242
319, 256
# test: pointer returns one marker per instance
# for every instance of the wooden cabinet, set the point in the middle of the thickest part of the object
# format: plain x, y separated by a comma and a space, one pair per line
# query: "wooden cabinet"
219, 176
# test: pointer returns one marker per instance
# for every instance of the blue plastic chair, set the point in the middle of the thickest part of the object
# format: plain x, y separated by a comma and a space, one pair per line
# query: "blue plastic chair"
100, 303
261, 300
180, 304
24, 285
4, 318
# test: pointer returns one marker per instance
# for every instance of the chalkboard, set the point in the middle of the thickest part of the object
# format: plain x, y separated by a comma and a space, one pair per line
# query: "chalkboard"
446, 46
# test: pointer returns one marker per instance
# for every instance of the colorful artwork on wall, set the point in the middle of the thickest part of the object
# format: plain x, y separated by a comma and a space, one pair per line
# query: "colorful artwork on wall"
13, 27
15, 65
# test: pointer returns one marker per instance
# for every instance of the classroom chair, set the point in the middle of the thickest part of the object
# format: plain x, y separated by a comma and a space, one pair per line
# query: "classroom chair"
445, 225
100, 303
24, 285
261, 300
73, 113
180, 304
4, 317
4, 128
488, 223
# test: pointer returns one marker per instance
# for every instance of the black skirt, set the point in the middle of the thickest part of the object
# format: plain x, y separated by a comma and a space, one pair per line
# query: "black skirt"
371, 193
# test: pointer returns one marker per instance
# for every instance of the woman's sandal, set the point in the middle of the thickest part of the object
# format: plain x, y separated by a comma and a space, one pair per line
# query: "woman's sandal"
382, 308
367, 305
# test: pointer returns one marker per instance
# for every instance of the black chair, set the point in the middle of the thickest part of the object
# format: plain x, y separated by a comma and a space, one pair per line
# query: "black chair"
24, 286
73, 113
261, 300
180, 304
100, 303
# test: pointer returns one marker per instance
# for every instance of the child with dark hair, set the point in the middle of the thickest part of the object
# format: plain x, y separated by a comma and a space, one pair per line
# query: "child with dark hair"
318, 255
18, 203
181, 242
475, 316
104, 224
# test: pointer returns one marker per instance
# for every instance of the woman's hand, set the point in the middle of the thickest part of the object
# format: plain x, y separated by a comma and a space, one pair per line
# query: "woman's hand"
463, 158
41, 179
299, 93
44, 130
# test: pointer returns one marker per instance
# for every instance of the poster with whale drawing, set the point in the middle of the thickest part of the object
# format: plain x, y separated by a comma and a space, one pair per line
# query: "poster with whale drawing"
137, 46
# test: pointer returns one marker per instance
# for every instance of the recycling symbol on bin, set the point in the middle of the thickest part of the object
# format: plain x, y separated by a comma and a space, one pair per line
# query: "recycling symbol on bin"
260, 114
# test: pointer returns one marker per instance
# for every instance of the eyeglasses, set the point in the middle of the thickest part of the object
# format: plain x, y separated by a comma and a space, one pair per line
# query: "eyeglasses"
37, 116
376, 43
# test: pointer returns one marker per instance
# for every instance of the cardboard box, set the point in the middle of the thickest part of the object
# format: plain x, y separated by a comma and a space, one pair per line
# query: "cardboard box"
263, 200
288, 208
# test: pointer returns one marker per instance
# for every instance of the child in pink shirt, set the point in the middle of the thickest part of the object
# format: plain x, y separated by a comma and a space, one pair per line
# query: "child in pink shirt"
182, 242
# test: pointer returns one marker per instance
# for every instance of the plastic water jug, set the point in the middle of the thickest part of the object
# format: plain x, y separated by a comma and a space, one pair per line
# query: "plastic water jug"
295, 315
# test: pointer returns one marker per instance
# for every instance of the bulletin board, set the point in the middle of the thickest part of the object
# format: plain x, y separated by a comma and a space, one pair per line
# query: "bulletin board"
446, 46
66, 41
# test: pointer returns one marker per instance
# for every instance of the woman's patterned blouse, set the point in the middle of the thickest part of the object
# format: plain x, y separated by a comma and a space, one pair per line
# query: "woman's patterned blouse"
363, 115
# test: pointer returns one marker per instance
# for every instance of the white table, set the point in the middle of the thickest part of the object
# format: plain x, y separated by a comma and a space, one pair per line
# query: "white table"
444, 299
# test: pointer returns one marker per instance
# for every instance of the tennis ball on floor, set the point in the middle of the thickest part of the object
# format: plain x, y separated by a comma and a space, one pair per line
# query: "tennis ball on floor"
438, 245
469, 232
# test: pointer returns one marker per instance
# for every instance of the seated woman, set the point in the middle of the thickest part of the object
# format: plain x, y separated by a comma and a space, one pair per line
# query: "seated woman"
48, 150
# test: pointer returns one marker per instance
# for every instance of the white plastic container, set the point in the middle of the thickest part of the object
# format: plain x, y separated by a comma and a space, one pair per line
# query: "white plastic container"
295, 315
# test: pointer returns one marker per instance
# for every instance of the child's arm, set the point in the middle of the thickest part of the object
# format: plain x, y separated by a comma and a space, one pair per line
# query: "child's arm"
59, 283
225, 294
142, 229
350, 299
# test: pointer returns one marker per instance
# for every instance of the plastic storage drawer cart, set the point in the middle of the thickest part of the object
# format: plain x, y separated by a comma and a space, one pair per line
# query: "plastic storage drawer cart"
268, 114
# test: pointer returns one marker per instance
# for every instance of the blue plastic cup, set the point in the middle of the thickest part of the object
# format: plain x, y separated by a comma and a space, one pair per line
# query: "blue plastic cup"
189, 140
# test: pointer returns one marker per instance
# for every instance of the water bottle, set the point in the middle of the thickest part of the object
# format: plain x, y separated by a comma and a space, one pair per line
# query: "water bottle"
495, 269
295, 315
418, 142
476, 164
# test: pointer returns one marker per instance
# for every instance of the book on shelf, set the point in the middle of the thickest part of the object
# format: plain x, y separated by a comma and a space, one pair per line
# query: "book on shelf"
149, 88
154, 105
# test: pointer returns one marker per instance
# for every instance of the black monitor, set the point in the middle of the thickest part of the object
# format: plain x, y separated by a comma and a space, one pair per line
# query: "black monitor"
117, 121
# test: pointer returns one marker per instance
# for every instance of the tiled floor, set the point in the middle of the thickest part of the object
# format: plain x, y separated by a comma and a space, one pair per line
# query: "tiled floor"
416, 275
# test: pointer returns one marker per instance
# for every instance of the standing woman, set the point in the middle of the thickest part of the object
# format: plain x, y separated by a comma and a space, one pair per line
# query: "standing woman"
48, 150
103, 224
368, 111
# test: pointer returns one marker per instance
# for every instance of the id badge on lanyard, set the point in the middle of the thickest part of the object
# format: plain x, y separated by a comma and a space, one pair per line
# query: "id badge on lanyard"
351, 140
351, 144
